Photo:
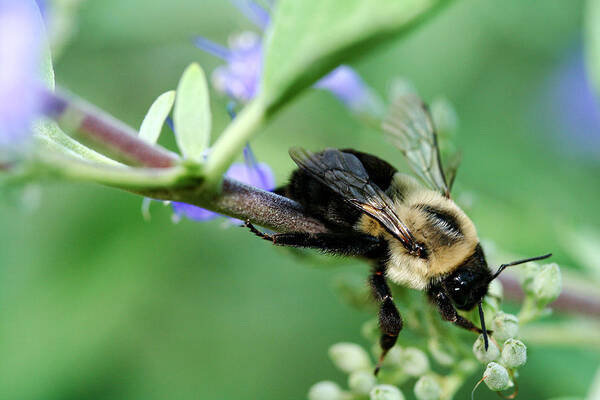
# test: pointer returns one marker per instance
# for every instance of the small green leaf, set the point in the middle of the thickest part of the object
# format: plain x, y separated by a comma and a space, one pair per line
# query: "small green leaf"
592, 38
309, 38
156, 116
192, 116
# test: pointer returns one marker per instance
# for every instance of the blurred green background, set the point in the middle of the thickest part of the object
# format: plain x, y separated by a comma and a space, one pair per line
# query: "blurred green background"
97, 303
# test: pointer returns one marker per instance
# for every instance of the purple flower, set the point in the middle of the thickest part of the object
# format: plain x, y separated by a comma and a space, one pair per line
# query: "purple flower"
20, 33
347, 85
576, 107
239, 77
250, 172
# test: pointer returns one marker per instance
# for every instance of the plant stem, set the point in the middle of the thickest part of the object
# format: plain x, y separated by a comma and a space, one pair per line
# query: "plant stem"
246, 203
66, 165
104, 132
232, 141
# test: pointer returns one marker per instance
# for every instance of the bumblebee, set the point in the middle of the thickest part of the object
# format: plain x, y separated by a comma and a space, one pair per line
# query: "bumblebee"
411, 232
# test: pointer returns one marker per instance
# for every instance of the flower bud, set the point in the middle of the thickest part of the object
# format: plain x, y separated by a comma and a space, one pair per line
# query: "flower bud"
325, 390
349, 357
496, 377
505, 326
547, 284
414, 362
386, 392
483, 356
514, 353
427, 388
361, 382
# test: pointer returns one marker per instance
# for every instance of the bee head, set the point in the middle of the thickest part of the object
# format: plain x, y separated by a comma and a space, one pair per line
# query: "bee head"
468, 283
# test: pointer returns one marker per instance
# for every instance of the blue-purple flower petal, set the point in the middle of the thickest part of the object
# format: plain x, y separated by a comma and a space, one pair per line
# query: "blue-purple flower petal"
347, 85
254, 12
576, 107
213, 48
20, 33
193, 212
240, 77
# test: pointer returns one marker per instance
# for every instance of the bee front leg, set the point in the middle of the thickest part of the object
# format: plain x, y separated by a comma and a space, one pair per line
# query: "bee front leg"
346, 244
390, 321
449, 313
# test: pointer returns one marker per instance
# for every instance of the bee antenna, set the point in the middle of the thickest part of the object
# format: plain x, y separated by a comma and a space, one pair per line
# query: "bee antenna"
483, 330
504, 266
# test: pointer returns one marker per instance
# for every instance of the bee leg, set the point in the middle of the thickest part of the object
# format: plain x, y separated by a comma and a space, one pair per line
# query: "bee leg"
448, 312
258, 233
390, 321
347, 244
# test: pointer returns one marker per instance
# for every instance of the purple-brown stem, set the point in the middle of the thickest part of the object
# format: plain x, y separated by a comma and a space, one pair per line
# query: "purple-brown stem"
103, 132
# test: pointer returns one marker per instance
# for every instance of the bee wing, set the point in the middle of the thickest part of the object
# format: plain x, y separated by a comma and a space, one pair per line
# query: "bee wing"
345, 174
409, 127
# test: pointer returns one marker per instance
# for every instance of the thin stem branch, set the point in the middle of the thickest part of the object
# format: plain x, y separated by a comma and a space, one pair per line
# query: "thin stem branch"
232, 141
246, 203
103, 132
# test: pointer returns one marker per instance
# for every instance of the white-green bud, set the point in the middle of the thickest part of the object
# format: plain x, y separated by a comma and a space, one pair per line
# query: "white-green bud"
394, 357
361, 382
349, 357
483, 356
414, 362
427, 388
386, 392
505, 326
547, 284
496, 377
514, 353
325, 390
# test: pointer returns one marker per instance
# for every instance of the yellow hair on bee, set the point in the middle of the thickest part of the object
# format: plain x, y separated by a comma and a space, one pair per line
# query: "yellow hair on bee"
447, 245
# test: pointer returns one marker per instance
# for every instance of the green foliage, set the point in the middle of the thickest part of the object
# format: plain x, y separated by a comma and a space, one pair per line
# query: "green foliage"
310, 38
156, 116
191, 116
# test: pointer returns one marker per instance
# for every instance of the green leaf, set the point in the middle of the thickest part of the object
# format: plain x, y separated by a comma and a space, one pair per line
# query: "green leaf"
156, 116
592, 38
309, 38
192, 116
